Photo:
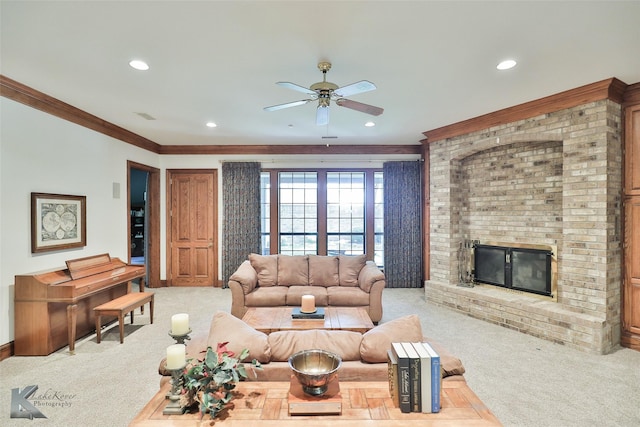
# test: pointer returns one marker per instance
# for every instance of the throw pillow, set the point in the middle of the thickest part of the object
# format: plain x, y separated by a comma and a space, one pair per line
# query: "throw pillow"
349, 268
377, 341
293, 270
267, 268
323, 270
228, 328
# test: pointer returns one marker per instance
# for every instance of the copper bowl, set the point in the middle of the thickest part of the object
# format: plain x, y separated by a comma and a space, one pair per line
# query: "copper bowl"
315, 369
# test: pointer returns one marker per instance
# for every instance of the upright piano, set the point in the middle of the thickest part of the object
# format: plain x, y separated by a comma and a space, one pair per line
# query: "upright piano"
53, 307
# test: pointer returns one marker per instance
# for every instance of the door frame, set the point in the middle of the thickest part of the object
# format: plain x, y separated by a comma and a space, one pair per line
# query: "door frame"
152, 255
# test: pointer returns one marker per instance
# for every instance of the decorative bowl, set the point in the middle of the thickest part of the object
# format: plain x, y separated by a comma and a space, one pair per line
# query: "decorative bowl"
315, 369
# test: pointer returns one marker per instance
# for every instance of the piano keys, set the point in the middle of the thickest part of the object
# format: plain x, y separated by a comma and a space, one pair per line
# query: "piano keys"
54, 307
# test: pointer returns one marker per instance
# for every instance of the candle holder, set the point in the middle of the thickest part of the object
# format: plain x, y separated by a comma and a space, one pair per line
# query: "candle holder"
180, 339
173, 407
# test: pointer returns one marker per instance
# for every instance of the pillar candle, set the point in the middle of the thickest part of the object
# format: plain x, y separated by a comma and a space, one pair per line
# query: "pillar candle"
308, 304
180, 324
176, 356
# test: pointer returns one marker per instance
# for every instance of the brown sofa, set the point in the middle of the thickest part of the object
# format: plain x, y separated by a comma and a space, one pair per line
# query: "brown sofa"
281, 280
364, 355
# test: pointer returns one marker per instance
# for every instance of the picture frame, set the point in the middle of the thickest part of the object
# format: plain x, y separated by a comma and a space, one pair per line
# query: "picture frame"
58, 221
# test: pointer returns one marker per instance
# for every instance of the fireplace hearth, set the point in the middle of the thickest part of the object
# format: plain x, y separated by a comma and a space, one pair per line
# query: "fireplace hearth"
523, 269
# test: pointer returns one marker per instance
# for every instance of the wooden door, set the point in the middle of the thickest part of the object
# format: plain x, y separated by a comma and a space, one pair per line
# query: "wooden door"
192, 230
631, 261
631, 308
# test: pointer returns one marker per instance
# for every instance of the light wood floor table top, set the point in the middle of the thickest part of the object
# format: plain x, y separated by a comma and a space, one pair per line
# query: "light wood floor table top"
363, 403
272, 319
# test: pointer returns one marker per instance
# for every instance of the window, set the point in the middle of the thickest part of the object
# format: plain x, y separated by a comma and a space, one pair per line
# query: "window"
298, 213
378, 219
322, 212
265, 212
345, 213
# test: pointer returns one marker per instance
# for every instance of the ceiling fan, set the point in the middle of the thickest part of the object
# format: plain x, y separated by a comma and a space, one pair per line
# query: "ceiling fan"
325, 91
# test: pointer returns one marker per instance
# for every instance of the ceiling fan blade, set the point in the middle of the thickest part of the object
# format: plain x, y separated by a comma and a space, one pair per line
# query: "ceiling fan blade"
287, 105
296, 87
322, 115
354, 88
359, 106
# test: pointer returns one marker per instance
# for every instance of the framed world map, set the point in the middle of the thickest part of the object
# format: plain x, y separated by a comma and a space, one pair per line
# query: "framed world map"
57, 222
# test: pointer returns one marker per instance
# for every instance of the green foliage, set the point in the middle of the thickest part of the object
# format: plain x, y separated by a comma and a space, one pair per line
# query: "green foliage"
208, 382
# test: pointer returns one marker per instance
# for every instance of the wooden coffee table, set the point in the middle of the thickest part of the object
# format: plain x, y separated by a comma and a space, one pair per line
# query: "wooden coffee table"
363, 403
272, 319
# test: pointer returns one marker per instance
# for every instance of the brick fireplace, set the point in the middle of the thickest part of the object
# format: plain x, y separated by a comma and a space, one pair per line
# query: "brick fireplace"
552, 180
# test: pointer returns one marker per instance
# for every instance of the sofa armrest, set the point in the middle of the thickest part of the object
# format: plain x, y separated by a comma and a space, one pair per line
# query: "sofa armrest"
243, 281
369, 275
371, 280
246, 276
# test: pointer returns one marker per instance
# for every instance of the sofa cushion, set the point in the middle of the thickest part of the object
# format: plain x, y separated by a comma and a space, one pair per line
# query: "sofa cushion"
283, 344
267, 268
323, 270
272, 296
228, 328
293, 270
347, 297
294, 295
349, 268
377, 341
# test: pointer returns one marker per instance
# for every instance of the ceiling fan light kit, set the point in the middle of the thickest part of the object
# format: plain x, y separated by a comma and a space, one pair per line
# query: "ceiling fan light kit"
325, 91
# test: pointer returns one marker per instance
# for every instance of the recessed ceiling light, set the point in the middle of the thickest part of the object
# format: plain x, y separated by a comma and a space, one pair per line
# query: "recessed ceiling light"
369, 124
139, 65
506, 64
211, 124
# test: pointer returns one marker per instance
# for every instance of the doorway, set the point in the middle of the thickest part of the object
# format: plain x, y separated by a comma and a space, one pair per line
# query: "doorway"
143, 213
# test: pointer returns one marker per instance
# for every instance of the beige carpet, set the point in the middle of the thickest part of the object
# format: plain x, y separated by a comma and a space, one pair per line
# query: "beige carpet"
525, 381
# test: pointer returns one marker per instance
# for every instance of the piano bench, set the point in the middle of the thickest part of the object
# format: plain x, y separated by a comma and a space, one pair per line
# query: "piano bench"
120, 307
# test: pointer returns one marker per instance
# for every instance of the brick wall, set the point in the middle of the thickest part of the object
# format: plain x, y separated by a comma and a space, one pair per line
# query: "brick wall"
553, 179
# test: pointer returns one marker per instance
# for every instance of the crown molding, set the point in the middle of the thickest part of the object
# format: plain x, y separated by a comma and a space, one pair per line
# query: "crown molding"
632, 95
33, 98
290, 149
612, 89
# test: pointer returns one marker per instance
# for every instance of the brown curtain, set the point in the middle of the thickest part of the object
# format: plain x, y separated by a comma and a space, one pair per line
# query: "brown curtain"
241, 214
402, 224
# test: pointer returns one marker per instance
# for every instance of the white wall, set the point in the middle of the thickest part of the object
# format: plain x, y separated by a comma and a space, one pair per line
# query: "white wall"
42, 153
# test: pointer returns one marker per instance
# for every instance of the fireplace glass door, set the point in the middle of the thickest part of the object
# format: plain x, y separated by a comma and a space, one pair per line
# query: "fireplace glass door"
523, 269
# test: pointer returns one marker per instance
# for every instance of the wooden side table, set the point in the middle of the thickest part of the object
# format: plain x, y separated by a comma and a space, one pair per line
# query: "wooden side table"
363, 403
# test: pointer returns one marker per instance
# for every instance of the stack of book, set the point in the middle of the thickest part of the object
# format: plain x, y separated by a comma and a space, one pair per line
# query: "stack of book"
414, 377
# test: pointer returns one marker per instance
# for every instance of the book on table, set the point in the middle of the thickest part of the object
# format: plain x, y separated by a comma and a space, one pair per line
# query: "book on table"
436, 377
414, 377
425, 376
404, 384
296, 313
392, 370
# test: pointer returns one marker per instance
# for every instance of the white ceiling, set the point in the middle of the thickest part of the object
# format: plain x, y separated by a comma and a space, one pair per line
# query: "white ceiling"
434, 63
